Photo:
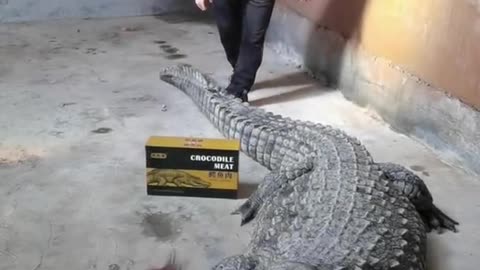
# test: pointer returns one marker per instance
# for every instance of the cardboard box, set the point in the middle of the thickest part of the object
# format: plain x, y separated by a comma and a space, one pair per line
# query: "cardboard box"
195, 167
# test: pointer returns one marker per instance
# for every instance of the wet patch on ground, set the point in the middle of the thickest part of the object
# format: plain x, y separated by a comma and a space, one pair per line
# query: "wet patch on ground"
65, 104
161, 226
114, 267
168, 51
102, 130
417, 168
175, 56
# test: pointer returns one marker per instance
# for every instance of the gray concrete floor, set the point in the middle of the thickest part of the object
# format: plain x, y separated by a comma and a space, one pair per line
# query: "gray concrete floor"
79, 99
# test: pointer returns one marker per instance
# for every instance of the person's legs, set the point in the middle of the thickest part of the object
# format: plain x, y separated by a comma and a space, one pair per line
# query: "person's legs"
256, 19
228, 16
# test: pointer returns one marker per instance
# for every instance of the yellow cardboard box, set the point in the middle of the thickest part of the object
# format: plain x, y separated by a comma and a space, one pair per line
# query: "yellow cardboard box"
196, 167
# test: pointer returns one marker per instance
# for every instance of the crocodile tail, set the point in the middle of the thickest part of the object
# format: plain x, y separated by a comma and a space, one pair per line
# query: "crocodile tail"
234, 119
205, 91
183, 76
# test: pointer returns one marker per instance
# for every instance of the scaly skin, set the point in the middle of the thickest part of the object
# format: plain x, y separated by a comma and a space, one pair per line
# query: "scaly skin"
325, 204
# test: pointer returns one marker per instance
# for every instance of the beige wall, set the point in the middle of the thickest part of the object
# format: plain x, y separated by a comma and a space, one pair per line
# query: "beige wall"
436, 40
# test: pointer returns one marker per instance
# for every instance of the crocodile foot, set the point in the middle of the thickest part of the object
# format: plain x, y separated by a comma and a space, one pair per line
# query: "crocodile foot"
247, 210
241, 94
435, 219
407, 183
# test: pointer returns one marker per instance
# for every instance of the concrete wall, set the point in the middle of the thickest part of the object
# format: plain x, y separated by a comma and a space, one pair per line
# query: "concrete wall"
414, 62
28, 10
438, 40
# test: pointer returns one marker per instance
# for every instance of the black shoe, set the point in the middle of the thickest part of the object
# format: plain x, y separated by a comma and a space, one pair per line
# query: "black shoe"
243, 95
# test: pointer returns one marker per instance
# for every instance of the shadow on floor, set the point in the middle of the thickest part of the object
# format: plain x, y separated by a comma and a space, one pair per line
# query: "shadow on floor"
293, 79
296, 94
246, 189
434, 248
301, 84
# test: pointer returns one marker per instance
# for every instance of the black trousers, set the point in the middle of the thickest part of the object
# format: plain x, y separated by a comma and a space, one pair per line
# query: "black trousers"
242, 25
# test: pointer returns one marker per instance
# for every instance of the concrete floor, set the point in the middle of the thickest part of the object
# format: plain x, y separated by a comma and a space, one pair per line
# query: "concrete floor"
79, 99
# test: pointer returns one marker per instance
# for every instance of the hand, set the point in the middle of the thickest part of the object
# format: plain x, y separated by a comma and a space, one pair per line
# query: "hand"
203, 4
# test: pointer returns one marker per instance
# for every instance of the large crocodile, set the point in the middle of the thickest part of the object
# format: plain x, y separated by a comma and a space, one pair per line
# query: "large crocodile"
325, 203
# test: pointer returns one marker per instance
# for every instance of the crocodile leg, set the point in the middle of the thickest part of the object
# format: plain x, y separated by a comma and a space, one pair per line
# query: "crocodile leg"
249, 209
412, 186
271, 183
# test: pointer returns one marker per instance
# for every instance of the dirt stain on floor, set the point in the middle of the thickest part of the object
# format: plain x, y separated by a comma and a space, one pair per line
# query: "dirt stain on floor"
113, 267
170, 52
417, 168
160, 226
102, 130
175, 56
12, 156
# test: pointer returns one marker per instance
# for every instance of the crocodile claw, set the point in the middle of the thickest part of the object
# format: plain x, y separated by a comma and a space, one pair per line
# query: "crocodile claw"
242, 208
437, 220
248, 216
247, 210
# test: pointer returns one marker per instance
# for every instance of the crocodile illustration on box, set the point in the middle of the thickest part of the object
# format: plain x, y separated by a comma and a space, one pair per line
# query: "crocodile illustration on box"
178, 178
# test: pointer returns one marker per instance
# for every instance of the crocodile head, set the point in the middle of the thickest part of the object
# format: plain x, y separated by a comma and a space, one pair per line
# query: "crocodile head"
238, 262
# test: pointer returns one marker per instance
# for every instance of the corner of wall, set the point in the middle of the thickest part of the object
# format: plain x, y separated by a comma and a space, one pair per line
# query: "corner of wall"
410, 105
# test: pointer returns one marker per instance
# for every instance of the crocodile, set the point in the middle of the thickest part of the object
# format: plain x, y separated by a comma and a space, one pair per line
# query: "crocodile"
325, 203
177, 178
